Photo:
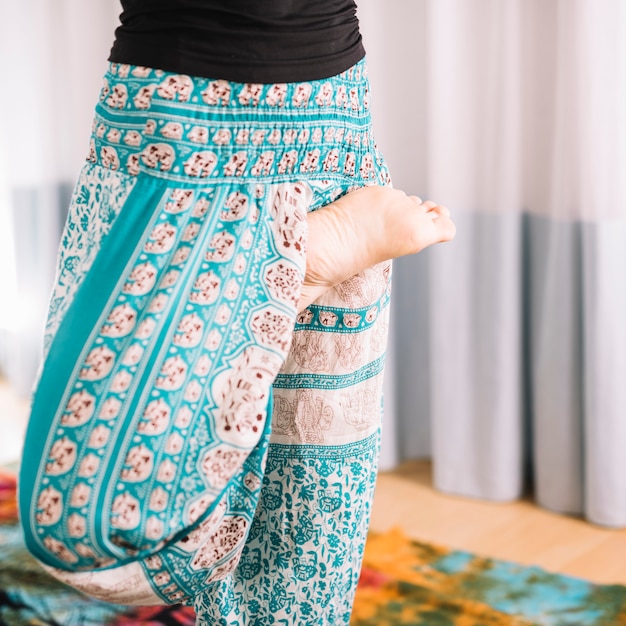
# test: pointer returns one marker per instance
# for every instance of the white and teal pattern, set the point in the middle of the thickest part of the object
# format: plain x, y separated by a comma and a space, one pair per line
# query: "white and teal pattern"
153, 472
302, 560
98, 197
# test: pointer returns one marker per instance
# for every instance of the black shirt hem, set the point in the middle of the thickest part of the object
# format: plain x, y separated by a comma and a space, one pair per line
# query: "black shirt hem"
274, 71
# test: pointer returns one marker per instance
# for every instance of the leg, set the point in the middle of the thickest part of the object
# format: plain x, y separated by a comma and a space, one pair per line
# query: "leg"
366, 227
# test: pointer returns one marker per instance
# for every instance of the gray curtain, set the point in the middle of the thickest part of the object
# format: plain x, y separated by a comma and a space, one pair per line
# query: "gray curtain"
510, 342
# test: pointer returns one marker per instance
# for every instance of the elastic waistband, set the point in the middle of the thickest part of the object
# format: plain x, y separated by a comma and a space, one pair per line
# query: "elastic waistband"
183, 127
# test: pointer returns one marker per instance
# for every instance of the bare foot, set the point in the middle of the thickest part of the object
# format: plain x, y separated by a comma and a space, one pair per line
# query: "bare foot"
363, 228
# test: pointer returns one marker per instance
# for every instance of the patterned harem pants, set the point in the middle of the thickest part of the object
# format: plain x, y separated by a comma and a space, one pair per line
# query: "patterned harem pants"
193, 437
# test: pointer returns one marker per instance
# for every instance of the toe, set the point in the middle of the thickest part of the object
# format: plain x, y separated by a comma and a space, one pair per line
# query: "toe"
445, 227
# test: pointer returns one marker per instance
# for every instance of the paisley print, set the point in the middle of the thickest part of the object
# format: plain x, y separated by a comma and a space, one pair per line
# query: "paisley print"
195, 439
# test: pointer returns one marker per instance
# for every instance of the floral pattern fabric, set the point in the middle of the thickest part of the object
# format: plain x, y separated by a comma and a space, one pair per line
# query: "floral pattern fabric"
188, 419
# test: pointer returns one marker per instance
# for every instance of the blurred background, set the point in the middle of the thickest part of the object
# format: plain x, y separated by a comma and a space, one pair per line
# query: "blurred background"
507, 365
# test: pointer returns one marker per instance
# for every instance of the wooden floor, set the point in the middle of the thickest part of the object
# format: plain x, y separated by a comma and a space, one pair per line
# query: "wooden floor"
519, 531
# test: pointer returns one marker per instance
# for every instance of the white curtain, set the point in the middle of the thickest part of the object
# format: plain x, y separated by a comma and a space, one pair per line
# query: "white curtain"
510, 343
508, 359
52, 58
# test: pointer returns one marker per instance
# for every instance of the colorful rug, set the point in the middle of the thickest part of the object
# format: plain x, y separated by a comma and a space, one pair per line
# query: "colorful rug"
409, 582
403, 582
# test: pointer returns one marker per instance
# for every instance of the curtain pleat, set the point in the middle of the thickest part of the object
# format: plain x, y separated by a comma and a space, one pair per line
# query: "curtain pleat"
604, 395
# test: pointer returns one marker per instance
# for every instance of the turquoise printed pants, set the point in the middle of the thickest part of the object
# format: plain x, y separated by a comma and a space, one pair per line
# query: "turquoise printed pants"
194, 438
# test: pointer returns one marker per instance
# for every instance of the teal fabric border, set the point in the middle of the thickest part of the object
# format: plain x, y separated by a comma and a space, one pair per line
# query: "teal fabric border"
94, 290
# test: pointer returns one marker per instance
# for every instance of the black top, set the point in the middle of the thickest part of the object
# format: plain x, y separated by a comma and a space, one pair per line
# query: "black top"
256, 41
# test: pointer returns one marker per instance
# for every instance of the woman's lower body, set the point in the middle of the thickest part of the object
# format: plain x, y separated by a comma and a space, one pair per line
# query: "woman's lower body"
194, 438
